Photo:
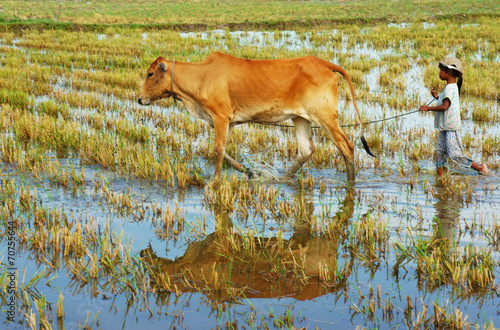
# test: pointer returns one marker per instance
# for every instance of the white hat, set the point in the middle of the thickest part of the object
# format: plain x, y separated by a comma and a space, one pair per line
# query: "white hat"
453, 64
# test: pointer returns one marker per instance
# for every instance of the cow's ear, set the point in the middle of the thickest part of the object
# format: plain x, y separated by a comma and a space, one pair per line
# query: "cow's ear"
162, 67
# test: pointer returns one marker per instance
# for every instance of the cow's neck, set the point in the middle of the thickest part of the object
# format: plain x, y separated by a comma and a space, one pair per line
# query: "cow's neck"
188, 80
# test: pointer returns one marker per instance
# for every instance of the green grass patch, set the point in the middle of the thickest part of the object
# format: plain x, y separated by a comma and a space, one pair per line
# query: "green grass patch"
236, 14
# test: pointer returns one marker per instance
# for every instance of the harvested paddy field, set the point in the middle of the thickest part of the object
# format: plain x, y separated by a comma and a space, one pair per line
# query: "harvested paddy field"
110, 218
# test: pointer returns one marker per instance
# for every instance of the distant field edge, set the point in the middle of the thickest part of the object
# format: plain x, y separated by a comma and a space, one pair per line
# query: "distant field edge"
263, 25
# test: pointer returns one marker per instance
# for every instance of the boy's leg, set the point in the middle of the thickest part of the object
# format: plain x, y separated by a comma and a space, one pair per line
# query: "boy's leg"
440, 152
440, 170
455, 151
480, 167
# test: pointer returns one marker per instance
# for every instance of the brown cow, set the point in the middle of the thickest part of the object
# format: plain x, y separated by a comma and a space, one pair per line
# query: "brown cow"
226, 91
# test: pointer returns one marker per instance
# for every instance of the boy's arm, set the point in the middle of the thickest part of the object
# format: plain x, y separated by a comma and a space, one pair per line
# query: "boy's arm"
443, 107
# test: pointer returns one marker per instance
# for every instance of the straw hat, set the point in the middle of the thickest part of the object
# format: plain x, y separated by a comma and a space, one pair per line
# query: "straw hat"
452, 63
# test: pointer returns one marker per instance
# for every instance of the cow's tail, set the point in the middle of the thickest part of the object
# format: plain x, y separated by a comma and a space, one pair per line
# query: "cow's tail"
340, 70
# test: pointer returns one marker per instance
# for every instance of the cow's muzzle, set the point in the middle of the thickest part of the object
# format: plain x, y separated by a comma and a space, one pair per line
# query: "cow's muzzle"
142, 101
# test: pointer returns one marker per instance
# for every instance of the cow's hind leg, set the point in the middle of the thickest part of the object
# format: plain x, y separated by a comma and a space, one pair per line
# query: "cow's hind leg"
331, 126
221, 127
305, 144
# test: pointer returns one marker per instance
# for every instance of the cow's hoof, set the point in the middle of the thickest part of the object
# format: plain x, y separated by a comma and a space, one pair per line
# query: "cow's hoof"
249, 173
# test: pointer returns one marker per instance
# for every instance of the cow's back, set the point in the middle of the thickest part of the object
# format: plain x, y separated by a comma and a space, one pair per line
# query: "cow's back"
277, 82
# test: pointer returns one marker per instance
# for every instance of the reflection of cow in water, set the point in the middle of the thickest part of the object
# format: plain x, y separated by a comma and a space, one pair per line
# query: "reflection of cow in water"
229, 264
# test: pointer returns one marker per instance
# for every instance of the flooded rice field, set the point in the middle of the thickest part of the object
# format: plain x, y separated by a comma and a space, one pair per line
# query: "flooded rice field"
110, 218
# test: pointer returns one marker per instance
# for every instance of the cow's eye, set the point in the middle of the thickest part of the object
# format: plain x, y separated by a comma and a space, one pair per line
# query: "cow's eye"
150, 74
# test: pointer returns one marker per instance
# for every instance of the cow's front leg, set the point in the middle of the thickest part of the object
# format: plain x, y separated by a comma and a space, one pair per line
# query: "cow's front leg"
237, 165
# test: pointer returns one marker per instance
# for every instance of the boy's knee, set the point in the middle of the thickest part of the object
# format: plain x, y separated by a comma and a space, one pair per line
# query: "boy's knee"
440, 153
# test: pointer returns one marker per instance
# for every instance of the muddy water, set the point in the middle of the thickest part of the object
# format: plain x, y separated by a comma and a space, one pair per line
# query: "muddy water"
411, 204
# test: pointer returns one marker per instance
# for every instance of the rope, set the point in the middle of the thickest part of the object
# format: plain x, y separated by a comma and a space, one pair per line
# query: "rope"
352, 125
383, 119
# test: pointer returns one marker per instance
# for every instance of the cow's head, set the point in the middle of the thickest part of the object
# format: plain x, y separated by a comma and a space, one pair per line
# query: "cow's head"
157, 84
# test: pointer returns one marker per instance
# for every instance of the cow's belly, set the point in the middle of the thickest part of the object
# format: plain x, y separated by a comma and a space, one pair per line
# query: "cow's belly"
267, 116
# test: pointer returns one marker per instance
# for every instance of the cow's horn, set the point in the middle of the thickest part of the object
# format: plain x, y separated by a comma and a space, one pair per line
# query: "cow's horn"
162, 67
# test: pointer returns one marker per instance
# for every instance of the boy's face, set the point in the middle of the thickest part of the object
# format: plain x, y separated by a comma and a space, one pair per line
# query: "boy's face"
444, 73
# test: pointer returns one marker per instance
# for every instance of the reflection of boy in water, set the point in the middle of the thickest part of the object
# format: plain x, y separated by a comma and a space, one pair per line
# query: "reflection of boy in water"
446, 220
447, 118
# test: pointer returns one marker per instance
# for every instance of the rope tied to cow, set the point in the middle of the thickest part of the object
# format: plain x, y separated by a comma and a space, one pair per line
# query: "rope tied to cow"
353, 125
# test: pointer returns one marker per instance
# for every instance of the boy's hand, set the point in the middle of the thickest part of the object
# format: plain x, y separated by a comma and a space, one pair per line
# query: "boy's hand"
424, 108
434, 93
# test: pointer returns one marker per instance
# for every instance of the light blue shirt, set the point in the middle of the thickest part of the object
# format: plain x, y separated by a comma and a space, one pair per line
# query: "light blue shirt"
448, 120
